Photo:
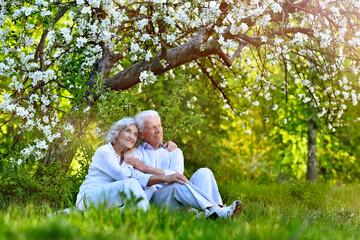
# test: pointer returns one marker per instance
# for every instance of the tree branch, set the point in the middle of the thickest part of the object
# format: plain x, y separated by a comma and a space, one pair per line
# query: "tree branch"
216, 85
41, 46
175, 57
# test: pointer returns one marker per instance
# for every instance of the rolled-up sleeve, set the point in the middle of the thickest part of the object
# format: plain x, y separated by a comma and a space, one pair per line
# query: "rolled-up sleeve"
143, 178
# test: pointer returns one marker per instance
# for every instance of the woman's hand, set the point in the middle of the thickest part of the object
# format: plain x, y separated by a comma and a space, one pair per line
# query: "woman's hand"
136, 163
171, 146
130, 152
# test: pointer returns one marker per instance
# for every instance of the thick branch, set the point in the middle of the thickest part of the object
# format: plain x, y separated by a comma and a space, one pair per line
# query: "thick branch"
175, 57
104, 64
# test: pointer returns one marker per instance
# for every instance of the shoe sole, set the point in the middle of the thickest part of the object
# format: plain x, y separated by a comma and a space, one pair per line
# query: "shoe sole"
213, 216
238, 209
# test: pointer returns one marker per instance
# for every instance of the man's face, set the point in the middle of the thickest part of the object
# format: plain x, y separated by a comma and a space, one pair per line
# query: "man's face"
153, 132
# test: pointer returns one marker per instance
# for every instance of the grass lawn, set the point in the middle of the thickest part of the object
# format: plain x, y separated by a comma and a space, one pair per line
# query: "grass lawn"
274, 211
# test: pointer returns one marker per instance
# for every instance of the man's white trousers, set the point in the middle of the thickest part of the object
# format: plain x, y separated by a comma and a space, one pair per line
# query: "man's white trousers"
200, 193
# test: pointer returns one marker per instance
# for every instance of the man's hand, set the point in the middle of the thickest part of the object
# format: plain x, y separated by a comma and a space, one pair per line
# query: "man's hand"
136, 163
176, 177
171, 146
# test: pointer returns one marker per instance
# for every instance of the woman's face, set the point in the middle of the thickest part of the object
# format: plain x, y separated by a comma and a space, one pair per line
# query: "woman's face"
128, 137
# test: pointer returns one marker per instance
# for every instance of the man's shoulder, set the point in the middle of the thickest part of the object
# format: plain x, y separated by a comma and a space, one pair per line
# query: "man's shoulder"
146, 147
175, 152
140, 148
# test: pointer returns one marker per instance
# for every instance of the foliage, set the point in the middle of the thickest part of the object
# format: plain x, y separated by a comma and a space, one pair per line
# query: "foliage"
20, 185
275, 211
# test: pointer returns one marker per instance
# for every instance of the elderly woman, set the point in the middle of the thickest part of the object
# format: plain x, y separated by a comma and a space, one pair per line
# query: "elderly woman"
109, 175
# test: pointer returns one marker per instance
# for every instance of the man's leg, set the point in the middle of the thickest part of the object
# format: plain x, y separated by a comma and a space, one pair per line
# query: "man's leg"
204, 179
177, 195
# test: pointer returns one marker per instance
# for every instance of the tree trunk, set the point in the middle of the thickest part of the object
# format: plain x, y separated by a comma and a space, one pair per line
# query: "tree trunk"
311, 174
63, 155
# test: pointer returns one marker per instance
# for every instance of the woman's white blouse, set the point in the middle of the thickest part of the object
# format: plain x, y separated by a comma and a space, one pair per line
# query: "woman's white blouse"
105, 167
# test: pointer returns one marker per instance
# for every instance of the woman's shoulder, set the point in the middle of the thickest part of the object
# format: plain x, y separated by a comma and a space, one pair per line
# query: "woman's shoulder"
104, 149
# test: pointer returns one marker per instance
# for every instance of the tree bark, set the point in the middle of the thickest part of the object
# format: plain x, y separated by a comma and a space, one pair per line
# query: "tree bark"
312, 174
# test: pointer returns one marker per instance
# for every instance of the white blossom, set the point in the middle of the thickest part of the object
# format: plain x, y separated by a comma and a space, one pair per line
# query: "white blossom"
276, 7
169, 21
171, 38
354, 98
142, 23
22, 112
255, 103
80, 41
268, 96
147, 77
97, 132
66, 34
248, 131
148, 55
69, 127
41, 144
300, 39
95, 3
145, 37
27, 10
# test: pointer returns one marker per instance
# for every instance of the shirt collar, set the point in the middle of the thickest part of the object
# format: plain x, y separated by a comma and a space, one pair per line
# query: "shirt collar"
112, 149
148, 146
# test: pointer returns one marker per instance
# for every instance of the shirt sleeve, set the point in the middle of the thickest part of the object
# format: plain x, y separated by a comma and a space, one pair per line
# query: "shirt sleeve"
143, 178
109, 164
176, 163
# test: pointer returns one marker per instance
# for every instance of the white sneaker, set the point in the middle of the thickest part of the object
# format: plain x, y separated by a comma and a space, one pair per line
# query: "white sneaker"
233, 210
211, 214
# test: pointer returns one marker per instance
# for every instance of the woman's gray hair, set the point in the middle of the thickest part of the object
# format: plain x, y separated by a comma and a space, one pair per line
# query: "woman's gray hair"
140, 118
120, 125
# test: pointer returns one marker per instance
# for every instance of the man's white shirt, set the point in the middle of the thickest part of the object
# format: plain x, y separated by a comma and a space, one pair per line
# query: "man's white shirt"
171, 162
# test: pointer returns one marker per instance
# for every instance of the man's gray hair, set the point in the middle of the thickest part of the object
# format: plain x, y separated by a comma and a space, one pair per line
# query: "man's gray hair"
120, 125
140, 118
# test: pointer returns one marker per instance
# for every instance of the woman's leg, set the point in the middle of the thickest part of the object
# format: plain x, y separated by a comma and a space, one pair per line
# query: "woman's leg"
110, 195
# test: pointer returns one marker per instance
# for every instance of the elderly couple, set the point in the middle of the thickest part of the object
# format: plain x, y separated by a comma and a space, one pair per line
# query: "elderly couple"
152, 172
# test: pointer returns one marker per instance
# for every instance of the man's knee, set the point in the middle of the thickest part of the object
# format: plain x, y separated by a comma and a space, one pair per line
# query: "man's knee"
204, 172
176, 187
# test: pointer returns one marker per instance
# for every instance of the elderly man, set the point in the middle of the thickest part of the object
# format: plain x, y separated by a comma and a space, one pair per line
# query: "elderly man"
167, 186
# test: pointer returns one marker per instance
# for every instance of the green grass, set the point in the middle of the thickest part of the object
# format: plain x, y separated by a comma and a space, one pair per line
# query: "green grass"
275, 211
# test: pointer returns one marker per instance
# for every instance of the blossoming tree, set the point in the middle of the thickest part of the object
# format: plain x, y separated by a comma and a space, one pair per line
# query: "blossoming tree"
57, 55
